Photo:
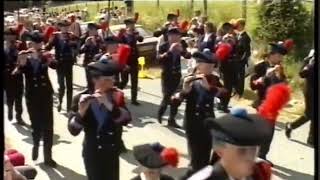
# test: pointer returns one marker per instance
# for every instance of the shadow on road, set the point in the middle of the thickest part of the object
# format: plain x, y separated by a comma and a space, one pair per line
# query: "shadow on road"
128, 156
149, 110
176, 131
77, 87
62, 174
280, 126
28, 139
249, 95
285, 173
175, 172
302, 143
23, 130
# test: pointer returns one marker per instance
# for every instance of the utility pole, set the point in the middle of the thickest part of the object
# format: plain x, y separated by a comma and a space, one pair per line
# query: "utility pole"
244, 9
191, 4
205, 4
158, 3
312, 21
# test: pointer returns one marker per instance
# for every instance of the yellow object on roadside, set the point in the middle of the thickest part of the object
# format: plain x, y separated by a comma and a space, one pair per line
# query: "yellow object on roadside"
142, 73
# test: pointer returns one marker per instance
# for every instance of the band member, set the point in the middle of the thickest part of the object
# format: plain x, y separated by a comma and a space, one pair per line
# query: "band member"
104, 31
65, 43
170, 57
228, 67
152, 159
34, 64
173, 19
243, 51
306, 72
199, 90
209, 38
131, 37
13, 83
93, 45
235, 148
74, 26
268, 72
101, 115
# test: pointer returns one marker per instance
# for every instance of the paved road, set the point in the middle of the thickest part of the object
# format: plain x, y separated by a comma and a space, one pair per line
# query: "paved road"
293, 160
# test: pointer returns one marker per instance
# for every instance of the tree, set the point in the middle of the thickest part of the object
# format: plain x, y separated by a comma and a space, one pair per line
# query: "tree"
283, 20
244, 9
205, 5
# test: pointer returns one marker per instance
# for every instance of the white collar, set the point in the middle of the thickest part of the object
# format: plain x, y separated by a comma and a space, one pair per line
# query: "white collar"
143, 177
240, 33
231, 178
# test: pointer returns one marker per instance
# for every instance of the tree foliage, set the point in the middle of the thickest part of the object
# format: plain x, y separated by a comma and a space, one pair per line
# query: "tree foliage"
283, 20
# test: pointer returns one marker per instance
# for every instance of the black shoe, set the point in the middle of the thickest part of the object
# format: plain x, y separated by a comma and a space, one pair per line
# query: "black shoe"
159, 119
50, 162
21, 123
59, 108
10, 115
288, 130
136, 103
35, 152
174, 124
123, 149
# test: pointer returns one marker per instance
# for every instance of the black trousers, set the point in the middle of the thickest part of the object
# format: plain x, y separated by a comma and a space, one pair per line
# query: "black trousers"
134, 71
240, 81
14, 92
40, 109
265, 147
169, 83
102, 165
229, 74
199, 143
65, 76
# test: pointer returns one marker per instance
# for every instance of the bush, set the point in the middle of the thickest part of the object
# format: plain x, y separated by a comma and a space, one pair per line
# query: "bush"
283, 20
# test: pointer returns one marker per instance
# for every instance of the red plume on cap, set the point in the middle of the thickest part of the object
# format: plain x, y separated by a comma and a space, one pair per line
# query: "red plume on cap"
277, 97
184, 26
178, 12
11, 151
20, 27
223, 51
288, 44
121, 33
16, 159
124, 52
170, 156
119, 98
136, 16
49, 32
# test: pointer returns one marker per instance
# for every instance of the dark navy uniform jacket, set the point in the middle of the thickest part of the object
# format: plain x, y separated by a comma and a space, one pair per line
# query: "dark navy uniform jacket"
36, 74
171, 64
64, 48
260, 70
131, 40
102, 127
